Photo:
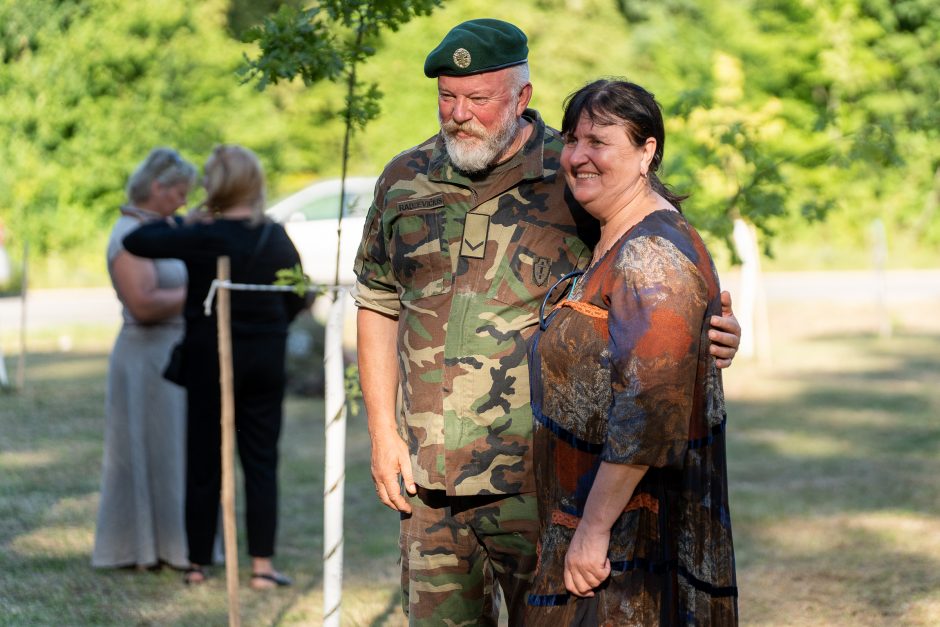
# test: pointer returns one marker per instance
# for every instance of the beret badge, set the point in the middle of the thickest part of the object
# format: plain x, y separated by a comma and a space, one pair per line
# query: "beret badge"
462, 58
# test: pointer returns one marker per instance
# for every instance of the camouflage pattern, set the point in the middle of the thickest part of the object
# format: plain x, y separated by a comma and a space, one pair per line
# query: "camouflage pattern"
464, 264
454, 549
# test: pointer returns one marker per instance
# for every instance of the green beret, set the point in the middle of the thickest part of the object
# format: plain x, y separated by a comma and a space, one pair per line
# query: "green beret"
477, 46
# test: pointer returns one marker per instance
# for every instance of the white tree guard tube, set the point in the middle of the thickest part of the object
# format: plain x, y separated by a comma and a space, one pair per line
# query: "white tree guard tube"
335, 473
4, 381
879, 250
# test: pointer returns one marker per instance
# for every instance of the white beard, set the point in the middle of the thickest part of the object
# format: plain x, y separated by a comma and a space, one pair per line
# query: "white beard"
483, 149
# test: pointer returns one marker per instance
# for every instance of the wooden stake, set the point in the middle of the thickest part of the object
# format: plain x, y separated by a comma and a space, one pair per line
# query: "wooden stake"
226, 379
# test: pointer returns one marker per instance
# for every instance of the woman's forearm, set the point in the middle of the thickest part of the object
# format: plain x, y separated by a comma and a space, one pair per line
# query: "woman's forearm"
612, 489
159, 304
135, 280
586, 563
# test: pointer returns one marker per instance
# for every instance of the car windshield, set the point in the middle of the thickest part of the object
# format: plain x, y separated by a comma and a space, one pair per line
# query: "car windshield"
324, 208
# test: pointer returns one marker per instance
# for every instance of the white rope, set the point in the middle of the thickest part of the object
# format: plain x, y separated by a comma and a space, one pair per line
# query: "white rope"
248, 287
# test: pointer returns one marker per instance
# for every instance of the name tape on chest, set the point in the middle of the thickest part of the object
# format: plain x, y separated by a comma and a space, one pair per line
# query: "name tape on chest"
432, 202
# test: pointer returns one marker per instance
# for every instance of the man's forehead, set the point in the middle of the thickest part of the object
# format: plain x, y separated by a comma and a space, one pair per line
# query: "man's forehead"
484, 82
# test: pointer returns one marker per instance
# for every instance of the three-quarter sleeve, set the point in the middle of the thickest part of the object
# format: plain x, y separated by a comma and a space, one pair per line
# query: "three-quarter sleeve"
657, 307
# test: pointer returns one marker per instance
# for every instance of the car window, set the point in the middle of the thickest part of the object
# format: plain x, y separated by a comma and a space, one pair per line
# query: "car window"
359, 204
322, 208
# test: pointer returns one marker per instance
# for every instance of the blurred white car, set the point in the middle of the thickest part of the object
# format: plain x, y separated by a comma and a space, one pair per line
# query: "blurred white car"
309, 216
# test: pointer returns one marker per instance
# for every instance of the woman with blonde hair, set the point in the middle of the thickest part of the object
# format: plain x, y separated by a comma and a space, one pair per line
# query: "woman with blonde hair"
230, 222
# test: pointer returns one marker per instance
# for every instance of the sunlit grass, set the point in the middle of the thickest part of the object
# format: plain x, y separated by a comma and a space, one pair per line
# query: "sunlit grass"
52, 541
24, 460
64, 338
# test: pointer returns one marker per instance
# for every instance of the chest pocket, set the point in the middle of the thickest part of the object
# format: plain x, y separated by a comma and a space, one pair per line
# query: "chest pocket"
417, 252
541, 256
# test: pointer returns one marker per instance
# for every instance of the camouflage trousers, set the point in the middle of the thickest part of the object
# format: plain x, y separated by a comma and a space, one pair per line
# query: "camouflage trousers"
455, 549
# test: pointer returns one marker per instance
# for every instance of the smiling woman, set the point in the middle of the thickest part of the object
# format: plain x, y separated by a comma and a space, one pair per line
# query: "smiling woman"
628, 405
606, 173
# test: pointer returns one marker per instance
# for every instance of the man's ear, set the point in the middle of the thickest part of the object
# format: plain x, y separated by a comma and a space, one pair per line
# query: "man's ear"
525, 95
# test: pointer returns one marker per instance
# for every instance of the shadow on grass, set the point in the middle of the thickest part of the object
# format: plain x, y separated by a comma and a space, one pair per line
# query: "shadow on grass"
50, 442
67, 591
391, 610
825, 482
843, 571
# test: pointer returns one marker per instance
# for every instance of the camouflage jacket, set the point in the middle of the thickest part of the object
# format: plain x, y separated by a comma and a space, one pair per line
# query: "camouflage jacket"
464, 264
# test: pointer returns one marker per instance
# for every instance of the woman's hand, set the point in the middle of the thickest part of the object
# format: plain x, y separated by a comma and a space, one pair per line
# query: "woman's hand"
586, 563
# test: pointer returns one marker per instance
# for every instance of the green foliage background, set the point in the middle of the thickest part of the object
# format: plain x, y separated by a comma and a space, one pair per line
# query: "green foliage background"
810, 118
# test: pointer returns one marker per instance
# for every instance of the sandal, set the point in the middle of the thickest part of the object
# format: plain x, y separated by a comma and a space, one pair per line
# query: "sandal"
195, 575
274, 577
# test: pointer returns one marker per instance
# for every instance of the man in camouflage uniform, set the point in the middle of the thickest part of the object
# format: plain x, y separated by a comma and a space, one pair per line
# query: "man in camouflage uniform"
467, 233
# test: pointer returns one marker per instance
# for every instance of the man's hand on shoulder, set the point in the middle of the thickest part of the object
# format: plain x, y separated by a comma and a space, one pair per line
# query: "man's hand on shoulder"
725, 333
390, 458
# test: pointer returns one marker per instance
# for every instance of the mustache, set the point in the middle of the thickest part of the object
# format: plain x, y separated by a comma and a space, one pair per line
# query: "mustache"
470, 128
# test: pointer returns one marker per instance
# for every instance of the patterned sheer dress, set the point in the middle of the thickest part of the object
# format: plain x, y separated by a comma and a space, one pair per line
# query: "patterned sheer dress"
620, 372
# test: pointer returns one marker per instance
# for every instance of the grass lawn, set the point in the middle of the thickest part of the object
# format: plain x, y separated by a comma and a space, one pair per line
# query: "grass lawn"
834, 458
50, 459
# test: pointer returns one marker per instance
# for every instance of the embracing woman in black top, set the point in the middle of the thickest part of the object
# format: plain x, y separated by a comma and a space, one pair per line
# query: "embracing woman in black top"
231, 222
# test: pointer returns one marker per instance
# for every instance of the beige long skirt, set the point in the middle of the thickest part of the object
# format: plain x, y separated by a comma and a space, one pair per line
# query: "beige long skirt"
141, 512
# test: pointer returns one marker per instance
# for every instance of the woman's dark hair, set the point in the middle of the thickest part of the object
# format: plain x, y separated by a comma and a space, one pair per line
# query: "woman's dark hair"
619, 102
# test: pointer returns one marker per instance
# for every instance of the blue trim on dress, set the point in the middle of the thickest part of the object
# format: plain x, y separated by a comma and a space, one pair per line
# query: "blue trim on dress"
707, 588
543, 321
659, 568
640, 563
564, 435
548, 600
